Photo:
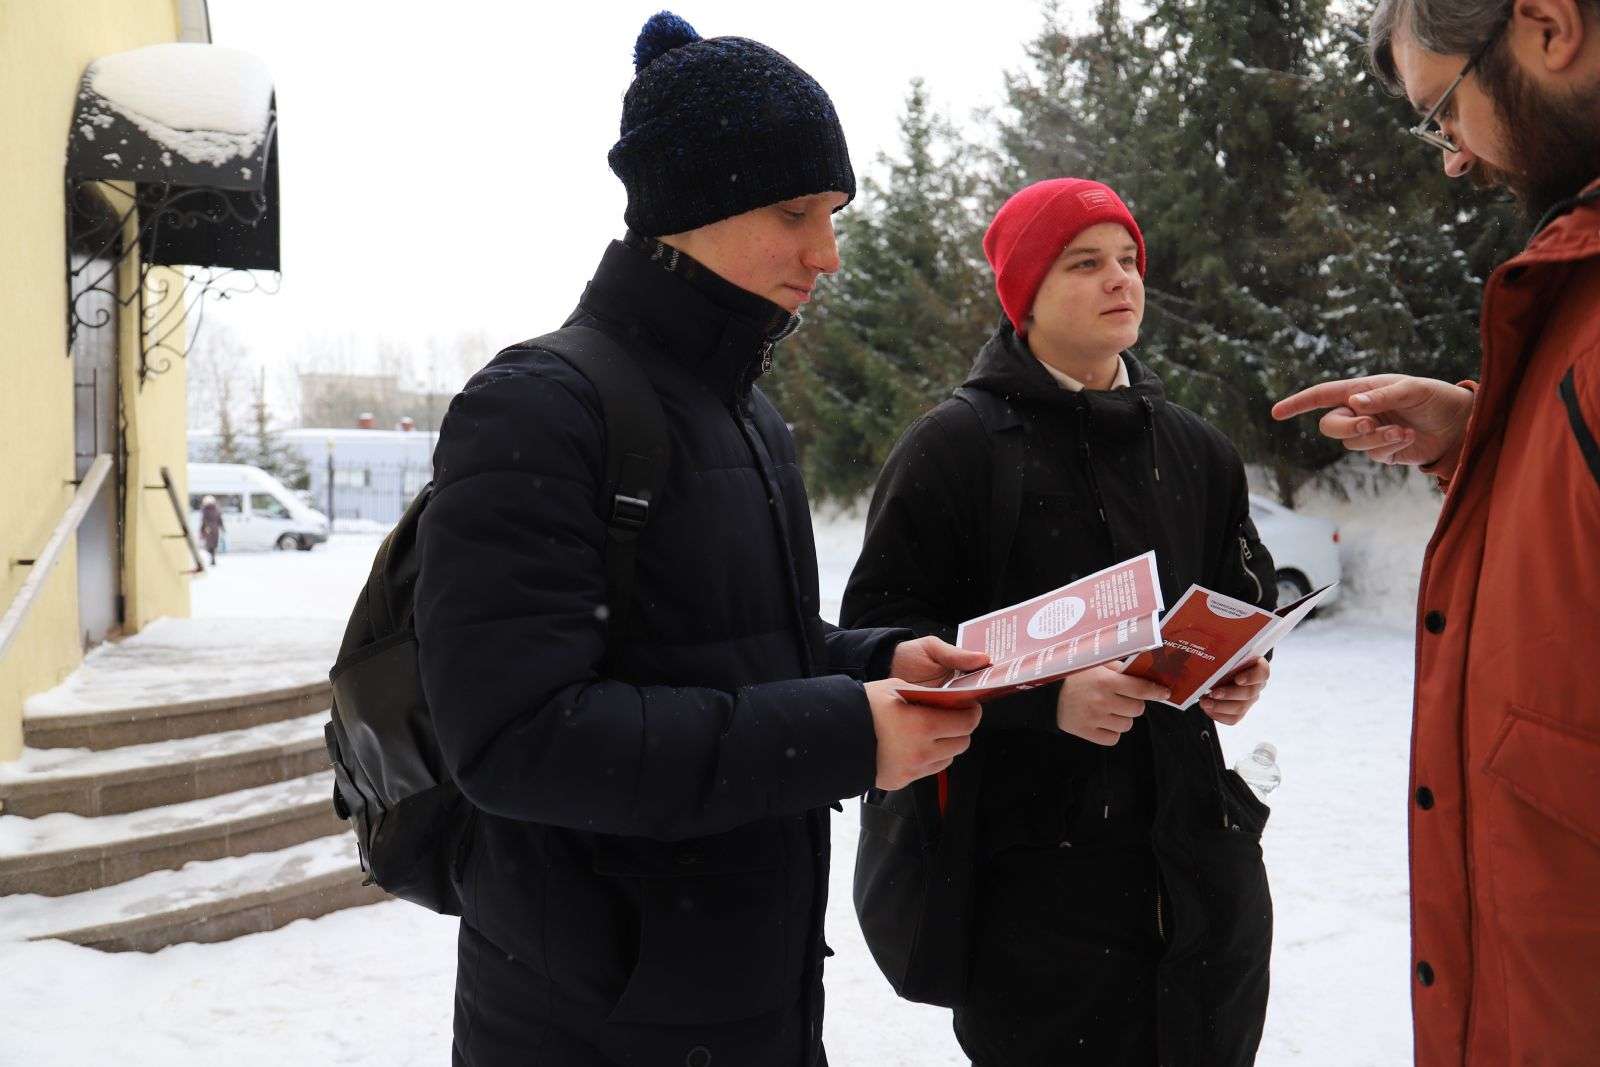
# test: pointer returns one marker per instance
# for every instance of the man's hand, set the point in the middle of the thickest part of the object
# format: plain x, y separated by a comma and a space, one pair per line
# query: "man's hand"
1393, 418
1100, 704
930, 661
916, 741
1227, 703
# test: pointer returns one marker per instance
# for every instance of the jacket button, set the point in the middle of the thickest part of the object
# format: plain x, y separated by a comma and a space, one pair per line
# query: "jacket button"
1434, 622
1425, 973
1424, 798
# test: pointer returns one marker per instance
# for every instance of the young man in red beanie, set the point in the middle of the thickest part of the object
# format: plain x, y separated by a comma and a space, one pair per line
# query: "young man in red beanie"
1121, 912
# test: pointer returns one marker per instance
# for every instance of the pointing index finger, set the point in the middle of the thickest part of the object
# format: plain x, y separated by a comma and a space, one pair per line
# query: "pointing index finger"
1326, 395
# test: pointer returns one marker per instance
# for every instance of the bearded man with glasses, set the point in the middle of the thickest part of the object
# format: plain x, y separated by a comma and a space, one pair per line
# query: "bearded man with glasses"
1505, 781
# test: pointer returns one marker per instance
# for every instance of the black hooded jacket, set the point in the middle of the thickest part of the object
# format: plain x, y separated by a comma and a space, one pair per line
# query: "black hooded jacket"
647, 870
1107, 475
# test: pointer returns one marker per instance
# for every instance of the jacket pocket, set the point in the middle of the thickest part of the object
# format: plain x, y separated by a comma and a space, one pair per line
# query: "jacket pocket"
461, 864
713, 926
1587, 444
1247, 813
1250, 574
1552, 768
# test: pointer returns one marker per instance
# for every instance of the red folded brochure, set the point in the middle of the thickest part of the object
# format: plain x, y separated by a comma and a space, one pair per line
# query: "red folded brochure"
1207, 636
1107, 616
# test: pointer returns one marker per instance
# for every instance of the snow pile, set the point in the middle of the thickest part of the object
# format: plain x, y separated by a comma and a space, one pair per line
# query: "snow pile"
1383, 534
207, 103
367, 986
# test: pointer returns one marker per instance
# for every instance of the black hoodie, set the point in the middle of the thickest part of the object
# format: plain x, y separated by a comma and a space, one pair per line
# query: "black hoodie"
1107, 475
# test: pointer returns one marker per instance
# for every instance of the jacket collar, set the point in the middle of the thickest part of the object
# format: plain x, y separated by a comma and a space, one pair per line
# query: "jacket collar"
1564, 208
1519, 299
720, 333
1008, 368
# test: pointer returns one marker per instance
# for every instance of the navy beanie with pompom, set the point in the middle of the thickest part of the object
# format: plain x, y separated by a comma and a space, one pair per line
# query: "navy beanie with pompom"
713, 128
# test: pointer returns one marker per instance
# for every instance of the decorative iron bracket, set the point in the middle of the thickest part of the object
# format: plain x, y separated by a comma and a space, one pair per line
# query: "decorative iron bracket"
98, 240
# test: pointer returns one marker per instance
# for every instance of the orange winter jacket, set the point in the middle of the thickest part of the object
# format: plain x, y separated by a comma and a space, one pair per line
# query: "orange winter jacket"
1505, 786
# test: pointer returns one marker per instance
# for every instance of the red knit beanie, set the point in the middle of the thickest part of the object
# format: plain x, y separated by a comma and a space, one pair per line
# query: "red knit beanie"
1033, 227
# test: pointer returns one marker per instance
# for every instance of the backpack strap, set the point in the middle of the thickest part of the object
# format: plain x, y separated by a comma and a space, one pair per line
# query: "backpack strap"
637, 450
381, 615
1004, 428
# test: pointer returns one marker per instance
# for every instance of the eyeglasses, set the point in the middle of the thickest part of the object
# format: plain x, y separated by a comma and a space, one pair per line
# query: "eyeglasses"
1429, 129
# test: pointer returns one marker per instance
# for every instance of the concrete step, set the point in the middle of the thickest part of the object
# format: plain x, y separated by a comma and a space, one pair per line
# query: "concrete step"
212, 900
85, 782
108, 728
54, 855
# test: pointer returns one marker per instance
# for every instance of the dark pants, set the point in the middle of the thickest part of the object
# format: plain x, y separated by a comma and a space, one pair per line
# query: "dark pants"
1064, 961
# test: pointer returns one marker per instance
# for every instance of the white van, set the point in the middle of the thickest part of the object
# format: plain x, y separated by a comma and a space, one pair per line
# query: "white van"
258, 511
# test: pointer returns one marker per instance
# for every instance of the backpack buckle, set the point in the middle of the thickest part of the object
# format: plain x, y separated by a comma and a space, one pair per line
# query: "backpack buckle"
629, 512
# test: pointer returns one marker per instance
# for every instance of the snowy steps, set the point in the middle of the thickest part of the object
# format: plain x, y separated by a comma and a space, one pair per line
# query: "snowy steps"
99, 730
58, 854
202, 814
210, 900
110, 782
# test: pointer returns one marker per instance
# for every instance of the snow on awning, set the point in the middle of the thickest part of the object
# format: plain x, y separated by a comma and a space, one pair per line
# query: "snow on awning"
196, 114
186, 117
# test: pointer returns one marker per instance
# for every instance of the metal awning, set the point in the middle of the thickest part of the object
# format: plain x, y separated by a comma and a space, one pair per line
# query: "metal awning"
194, 128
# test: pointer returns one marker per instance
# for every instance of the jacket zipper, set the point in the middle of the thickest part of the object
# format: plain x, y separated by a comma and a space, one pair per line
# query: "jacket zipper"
1244, 551
1587, 445
1161, 929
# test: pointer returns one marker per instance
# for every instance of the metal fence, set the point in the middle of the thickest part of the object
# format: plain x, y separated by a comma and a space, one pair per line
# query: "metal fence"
364, 489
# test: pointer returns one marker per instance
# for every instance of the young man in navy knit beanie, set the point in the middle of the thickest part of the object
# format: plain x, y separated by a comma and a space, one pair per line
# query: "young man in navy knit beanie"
644, 875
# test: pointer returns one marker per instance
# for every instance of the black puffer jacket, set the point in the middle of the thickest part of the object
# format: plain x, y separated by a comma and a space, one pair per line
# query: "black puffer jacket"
647, 872
1107, 475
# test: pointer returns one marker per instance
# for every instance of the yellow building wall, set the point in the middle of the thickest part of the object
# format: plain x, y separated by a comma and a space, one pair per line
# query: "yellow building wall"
44, 47
156, 561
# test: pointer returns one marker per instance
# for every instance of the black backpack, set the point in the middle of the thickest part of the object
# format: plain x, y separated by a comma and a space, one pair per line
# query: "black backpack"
390, 780
916, 860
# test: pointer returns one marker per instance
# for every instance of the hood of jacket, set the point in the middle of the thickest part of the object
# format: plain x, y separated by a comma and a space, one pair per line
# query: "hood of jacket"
720, 333
1007, 368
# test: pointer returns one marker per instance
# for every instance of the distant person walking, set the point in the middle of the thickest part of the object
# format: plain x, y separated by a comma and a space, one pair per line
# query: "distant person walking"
210, 525
1505, 775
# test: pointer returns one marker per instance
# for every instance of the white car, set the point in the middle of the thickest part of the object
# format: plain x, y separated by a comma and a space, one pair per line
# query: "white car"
258, 511
1305, 550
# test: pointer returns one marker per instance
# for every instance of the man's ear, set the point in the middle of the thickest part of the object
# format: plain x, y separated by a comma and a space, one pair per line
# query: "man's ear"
1548, 35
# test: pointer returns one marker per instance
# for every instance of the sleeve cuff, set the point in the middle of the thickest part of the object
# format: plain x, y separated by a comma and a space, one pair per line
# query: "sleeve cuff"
888, 642
1444, 468
825, 742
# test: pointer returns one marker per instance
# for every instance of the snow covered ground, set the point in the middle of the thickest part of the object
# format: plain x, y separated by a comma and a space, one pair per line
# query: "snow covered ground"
373, 985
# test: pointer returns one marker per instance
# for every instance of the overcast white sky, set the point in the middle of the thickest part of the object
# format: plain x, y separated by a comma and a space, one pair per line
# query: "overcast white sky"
443, 166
